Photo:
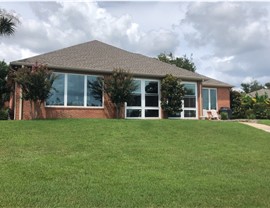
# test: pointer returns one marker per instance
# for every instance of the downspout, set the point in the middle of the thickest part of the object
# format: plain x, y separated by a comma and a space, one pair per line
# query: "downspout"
15, 101
21, 105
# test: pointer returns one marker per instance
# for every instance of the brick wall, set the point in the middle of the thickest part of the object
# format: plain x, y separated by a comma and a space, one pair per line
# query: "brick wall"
223, 96
63, 112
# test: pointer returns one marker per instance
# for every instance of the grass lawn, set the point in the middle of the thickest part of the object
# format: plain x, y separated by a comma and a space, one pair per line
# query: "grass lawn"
266, 122
133, 163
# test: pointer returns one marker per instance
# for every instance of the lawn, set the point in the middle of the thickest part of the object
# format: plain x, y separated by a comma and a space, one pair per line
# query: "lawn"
267, 122
133, 163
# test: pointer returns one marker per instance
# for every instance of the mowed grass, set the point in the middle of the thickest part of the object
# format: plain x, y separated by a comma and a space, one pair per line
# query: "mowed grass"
133, 163
266, 122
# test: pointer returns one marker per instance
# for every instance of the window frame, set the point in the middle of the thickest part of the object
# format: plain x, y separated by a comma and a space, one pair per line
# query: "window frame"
209, 97
196, 102
143, 108
85, 92
182, 114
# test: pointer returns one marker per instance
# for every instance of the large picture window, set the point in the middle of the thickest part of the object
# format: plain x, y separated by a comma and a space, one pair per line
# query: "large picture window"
189, 105
145, 102
209, 98
58, 92
74, 90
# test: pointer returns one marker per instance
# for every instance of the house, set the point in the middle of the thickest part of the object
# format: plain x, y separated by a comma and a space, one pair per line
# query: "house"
77, 65
260, 92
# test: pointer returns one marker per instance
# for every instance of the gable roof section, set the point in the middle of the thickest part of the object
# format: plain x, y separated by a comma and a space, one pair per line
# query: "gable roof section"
98, 57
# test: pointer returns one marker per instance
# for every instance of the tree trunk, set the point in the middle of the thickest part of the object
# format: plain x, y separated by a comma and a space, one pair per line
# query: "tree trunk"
37, 105
31, 110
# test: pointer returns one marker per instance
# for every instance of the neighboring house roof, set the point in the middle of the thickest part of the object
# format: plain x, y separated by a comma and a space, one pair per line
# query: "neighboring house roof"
98, 57
260, 92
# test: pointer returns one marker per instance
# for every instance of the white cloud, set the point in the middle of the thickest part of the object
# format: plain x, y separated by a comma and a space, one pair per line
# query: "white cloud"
238, 34
230, 41
58, 25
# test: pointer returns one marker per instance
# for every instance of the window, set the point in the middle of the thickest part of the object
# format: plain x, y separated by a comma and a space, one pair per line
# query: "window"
145, 102
75, 90
189, 102
209, 98
94, 98
57, 97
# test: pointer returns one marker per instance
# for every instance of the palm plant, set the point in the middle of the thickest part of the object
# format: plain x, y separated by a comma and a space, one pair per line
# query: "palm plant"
8, 23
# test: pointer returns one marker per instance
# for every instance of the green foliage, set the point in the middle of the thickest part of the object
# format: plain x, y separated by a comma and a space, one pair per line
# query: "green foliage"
172, 93
36, 83
3, 114
235, 100
250, 114
118, 86
244, 106
251, 86
181, 62
224, 116
5, 88
8, 23
267, 85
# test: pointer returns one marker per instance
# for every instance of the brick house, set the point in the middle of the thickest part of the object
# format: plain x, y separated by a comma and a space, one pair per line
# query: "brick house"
78, 65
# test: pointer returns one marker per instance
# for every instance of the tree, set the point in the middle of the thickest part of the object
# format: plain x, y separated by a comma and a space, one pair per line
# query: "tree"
36, 84
8, 23
4, 88
267, 85
118, 86
172, 93
181, 62
251, 86
236, 103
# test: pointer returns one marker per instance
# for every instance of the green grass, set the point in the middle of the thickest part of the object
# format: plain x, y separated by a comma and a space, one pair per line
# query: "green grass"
133, 163
266, 122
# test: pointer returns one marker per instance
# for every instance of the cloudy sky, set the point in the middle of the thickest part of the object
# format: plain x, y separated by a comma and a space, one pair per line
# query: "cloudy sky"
230, 41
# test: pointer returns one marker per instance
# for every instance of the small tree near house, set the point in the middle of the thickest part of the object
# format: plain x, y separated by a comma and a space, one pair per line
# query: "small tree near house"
172, 93
118, 86
36, 84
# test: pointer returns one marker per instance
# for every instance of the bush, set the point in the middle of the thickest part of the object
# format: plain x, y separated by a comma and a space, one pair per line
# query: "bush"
3, 115
260, 110
250, 114
224, 116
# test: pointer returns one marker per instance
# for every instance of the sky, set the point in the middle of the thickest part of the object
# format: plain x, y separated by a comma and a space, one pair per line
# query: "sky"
229, 41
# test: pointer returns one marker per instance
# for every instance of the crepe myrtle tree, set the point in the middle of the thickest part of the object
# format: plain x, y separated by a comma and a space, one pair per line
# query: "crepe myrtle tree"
36, 83
118, 86
172, 94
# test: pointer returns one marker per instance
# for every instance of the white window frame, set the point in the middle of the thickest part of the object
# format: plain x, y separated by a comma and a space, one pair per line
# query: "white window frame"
85, 93
209, 97
143, 107
196, 102
185, 108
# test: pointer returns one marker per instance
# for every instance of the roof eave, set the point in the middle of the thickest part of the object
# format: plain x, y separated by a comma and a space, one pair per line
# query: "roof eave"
103, 71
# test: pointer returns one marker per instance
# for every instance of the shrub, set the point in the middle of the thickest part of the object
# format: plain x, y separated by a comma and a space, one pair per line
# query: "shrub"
260, 110
224, 116
3, 115
172, 93
250, 114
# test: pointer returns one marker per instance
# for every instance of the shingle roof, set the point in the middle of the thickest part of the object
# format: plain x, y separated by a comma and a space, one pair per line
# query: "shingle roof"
260, 92
210, 82
98, 57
